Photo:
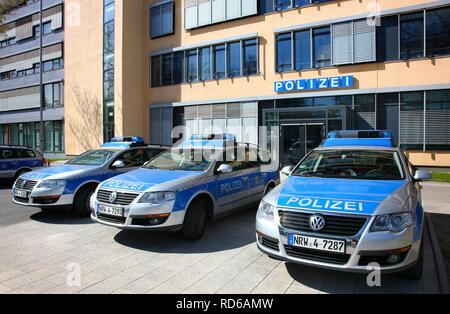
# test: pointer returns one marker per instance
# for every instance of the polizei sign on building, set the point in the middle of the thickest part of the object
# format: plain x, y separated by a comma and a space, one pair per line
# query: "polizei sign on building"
314, 84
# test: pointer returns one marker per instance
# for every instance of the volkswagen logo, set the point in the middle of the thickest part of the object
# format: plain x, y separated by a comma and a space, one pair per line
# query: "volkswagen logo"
317, 223
113, 197
22, 185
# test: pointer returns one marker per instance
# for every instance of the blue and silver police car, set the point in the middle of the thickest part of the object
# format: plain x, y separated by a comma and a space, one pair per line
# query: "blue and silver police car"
352, 202
202, 178
17, 160
70, 186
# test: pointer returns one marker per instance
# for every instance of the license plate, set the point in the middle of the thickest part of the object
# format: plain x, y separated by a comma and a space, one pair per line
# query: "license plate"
21, 193
110, 210
318, 244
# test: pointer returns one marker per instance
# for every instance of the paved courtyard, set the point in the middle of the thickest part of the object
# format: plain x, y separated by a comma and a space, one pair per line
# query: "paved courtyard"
39, 252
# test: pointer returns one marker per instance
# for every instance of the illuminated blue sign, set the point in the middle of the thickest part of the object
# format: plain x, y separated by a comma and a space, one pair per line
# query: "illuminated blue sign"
314, 84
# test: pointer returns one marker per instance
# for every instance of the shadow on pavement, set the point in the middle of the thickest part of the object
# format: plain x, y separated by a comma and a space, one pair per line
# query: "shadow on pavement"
60, 217
222, 234
6, 184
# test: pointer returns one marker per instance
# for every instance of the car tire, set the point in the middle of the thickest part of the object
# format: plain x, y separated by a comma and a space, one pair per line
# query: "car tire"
415, 272
195, 220
81, 203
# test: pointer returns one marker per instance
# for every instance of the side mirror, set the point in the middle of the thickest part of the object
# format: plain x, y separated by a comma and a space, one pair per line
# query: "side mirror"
224, 168
287, 170
422, 175
118, 164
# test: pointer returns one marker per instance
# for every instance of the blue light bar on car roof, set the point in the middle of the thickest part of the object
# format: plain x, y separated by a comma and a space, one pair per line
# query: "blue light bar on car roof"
360, 138
209, 141
124, 142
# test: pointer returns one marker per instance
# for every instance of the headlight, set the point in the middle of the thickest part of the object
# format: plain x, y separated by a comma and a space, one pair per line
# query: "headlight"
157, 197
52, 184
393, 222
266, 211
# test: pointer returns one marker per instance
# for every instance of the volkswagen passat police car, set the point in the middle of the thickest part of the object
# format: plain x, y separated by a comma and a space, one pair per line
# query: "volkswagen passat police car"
204, 177
352, 202
71, 185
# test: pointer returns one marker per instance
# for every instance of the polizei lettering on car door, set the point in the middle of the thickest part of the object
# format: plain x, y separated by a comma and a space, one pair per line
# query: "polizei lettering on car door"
231, 187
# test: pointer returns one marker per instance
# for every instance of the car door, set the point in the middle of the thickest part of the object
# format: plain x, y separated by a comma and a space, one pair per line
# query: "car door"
256, 178
231, 188
9, 162
133, 159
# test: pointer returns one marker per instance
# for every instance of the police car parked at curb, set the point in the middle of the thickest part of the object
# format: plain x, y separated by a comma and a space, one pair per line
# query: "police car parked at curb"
354, 201
70, 186
17, 160
204, 177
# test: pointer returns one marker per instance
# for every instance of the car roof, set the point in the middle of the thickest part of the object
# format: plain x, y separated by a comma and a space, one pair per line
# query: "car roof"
376, 148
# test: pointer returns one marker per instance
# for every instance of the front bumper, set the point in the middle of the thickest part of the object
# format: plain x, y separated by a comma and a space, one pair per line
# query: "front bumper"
44, 198
138, 216
361, 250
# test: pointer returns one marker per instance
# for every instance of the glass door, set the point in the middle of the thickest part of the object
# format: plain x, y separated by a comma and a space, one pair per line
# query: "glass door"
297, 140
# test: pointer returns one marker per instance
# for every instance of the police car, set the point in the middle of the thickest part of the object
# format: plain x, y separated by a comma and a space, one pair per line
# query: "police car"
202, 178
71, 185
16, 160
354, 201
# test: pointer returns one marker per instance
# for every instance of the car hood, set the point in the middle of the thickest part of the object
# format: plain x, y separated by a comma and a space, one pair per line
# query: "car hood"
362, 197
142, 180
58, 172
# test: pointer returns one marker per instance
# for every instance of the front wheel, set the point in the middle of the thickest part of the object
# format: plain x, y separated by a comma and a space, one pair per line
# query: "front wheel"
195, 220
82, 201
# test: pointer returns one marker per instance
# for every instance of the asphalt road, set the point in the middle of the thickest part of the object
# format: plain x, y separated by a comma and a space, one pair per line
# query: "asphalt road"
39, 251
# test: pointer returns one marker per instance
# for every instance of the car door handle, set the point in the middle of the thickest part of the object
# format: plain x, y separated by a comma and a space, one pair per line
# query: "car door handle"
244, 178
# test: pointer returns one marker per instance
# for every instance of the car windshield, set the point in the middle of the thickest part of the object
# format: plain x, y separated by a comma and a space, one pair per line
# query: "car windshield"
352, 164
93, 158
183, 159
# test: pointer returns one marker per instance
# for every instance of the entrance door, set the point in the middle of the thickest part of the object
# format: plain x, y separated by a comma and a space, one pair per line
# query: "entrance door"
297, 140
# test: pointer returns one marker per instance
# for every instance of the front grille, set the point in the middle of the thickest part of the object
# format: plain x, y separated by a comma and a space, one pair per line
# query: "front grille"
122, 198
334, 225
317, 256
271, 244
112, 219
28, 186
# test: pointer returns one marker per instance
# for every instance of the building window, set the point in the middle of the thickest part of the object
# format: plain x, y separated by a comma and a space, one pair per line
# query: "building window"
46, 28
438, 120
162, 20
205, 63
388, 113
284, 52
411, 36
54, 136
156, 71
364, 112
53, 95
438, 31
322, 47
234, 59
412, 120
108, 70
302, 47
219, 62
52, 65
250, 57
191, 66
166, 76
387, 39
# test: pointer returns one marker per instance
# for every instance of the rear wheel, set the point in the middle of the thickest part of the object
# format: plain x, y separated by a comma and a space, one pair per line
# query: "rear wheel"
81, 204
416, 271
195, 220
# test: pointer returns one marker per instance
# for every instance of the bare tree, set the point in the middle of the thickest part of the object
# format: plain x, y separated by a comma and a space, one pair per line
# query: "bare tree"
5, 7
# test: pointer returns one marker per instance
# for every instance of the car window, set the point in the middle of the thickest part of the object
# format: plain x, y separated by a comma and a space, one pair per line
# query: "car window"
133, 158
352, 164
245, 159
183, 159
152, 153
8, 153
93, 158
26, 153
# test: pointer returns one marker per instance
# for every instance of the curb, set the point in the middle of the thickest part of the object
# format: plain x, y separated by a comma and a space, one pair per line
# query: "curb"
444, 286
